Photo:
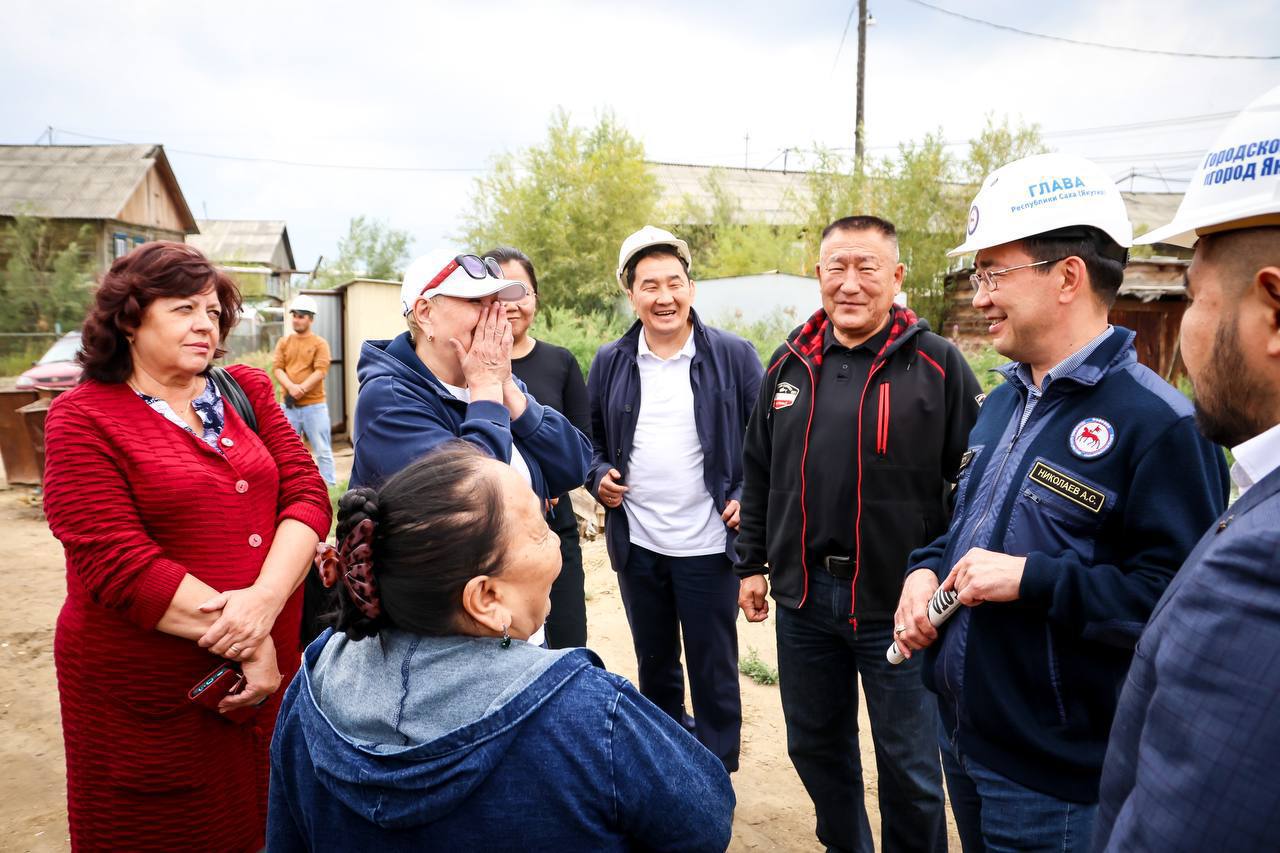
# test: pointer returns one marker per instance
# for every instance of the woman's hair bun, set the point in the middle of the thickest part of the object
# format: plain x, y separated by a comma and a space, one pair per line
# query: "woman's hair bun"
354, 507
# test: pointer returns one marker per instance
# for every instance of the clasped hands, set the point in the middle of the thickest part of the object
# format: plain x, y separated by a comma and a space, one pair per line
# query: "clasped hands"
242, 633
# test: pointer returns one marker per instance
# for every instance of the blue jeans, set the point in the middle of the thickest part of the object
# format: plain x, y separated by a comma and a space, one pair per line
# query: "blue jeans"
820, 657
697, 598
313, 422
994, 813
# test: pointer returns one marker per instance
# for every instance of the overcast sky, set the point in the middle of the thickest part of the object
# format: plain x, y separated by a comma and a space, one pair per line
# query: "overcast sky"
451, 85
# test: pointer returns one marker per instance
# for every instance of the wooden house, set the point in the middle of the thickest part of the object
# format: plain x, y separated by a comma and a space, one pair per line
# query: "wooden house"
115, 196
255, 252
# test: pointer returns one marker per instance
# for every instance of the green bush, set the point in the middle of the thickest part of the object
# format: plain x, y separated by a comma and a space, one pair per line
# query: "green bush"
765, 335
581, 333
18, 361
982, 361
260, 359
757, 670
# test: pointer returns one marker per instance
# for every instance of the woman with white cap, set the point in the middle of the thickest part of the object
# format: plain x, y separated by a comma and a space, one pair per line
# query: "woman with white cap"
449, 376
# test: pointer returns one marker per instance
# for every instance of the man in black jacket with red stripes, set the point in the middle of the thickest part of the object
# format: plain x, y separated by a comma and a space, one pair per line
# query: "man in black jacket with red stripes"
850, 458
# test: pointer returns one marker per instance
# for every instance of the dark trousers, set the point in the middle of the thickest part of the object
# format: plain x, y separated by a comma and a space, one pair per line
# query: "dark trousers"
567, 624
820, 657
697, 597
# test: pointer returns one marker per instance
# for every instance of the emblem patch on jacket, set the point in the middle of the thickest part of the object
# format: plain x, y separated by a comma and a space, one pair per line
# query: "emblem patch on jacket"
1091, 438
784, 396
1067, 486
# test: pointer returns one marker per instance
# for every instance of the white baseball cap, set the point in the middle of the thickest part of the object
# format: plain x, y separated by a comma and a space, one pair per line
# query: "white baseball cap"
1237, 184
643, 239
1043, 193
446, 272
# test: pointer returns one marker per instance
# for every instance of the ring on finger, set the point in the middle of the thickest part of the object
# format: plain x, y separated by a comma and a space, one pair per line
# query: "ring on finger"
900, 630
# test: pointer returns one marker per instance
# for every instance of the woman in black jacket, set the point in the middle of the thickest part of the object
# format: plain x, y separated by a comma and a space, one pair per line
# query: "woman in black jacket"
553, 376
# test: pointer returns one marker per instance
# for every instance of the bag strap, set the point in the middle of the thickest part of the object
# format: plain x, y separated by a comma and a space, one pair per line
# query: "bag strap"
231, 391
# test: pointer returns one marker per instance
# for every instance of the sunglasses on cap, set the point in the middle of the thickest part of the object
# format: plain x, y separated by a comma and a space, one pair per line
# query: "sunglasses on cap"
473, 265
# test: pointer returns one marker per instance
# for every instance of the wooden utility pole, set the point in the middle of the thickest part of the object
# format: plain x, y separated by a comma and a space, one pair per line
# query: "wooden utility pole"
862, 67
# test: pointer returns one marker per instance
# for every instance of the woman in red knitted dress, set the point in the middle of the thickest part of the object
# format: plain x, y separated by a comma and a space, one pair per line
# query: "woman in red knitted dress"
186, 537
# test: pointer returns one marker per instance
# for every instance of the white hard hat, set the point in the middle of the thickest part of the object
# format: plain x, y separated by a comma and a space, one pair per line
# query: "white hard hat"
1043, 193
643, 239
446, 272
1237, 184
302, 302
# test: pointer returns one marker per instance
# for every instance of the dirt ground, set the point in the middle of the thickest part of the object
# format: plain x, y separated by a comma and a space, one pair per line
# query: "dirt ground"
773, 811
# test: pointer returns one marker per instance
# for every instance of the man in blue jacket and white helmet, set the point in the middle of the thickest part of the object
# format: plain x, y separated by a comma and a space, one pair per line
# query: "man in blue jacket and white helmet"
1196, 741
1084, 487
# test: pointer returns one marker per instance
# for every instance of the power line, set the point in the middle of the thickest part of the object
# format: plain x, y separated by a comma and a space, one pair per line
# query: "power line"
274, 161
1143, 125
1120, 47
1148, 124
1193, 154
847, 21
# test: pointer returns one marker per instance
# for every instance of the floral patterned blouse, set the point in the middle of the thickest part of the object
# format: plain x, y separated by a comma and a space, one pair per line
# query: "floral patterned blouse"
208, 407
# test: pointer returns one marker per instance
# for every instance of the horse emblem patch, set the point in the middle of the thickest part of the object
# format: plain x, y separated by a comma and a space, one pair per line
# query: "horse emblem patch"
784, 396
1091, 438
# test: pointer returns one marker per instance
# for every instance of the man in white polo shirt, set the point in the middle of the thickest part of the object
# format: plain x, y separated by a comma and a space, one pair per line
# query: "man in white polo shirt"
670, 401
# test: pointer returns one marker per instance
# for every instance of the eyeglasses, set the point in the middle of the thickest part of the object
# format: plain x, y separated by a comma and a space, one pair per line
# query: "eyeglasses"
988, 277
473, 265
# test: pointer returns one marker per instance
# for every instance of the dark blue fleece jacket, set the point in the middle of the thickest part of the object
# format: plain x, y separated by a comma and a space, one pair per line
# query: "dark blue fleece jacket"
1105, 491
403, 411
431, 754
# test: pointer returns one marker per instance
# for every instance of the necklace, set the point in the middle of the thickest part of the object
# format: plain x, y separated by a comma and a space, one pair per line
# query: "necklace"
181, 414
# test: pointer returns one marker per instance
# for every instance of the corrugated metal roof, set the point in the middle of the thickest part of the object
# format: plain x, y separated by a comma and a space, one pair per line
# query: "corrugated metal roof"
255, 241
764, 195
772, 196
71, 181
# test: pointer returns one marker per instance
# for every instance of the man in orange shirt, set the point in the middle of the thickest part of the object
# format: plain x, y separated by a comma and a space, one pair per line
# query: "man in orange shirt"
300, 364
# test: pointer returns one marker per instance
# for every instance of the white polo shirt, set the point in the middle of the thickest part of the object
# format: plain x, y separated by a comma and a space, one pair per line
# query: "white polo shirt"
669, 509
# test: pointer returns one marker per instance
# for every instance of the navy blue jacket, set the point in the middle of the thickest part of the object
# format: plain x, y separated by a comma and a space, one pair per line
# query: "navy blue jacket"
402, 411
1196, 742
577, 760
1029, 687
725, 374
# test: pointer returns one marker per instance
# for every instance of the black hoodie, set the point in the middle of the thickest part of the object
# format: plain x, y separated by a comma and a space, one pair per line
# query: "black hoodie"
919, 403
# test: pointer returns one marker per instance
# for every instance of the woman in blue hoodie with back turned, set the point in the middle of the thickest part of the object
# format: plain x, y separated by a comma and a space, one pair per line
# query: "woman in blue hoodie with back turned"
429, 723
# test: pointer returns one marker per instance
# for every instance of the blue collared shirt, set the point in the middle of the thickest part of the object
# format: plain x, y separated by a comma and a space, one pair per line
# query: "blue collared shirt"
1062, 368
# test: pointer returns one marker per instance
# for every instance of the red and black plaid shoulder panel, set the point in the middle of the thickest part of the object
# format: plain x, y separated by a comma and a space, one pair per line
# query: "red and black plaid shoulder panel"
809, 340
901, 320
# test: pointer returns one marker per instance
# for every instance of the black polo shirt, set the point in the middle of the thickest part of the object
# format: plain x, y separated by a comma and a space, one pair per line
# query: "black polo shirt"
831, 468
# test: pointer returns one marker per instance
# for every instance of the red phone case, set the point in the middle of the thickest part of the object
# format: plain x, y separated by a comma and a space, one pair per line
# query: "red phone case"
226, 679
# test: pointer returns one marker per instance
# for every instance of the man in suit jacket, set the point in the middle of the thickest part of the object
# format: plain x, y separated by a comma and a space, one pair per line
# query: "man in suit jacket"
1196, 741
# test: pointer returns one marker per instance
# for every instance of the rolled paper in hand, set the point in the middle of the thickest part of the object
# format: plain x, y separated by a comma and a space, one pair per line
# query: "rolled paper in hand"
941, 606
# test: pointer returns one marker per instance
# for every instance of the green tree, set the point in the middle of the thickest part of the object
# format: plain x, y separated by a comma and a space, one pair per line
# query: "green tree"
371, 249
924, 191
568, 204
998, 145
44, 285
